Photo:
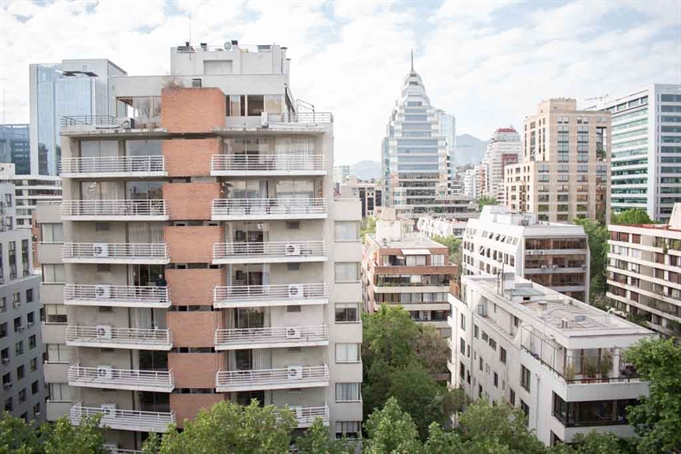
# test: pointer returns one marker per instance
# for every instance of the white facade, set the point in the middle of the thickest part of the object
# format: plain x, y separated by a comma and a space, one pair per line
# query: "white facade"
556, 358
554, 255
503, 148
29, 190
432, 226
646, 142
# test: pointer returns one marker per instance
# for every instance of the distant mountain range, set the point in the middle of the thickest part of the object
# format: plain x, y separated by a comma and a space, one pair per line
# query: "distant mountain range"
469, 150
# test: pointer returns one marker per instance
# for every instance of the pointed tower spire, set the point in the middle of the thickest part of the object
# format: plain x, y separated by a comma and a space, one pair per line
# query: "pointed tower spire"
412, 60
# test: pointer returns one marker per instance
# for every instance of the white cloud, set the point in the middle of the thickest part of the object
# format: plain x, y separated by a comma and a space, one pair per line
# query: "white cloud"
349, 57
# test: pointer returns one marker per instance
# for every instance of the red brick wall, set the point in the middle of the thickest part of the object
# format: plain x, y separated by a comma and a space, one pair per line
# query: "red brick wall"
193, 109
190, 201
195, 370
191, 244
190, 157
193, 329
193, 287
186, 406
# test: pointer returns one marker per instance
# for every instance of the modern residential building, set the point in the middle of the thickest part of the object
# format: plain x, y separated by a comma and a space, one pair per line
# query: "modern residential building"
74, 88
550, 254
21, 347
448, 131
341, 174
368, 192
646, 142
15, 147
29, 190
415, 154
644, 272
565, 164
432, 226
405, 268
559, 360
504, 148
205, 255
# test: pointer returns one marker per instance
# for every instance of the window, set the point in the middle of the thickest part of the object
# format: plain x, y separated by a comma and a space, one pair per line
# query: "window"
346, 231
347, 353
32, 342
492, 344
19, 348
34, 365
36, 409
591, 413
29, 295
347, 392
293, 266
292, 225
476, 331
347, 312
22, 395
496, 380
58, 353
525, 408
3, 330
502, 355
35, 387
511, 397
52, 233
525, 377
463, 322
416, 260
348, 429
8, 405
4, 354
20, 372
462, 346
346, 271
53, 273
3, 304
55, 313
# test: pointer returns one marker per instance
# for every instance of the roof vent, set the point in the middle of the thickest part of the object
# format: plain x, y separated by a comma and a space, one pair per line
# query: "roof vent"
579, 318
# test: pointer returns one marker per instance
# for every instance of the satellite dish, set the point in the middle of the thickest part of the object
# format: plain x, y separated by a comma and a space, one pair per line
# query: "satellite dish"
227, 45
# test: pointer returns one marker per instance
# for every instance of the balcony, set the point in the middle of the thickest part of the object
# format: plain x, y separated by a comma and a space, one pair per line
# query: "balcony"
116, 253
125, 379
273, 337
114, 167
270, 252
270, 295
269, 379
114, 210
268, 209
134, 420
307, 415
106, 336
117, 296
282, 164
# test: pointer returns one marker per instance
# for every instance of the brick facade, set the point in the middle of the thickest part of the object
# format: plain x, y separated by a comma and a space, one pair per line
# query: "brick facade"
193, 287
194, 329
192, 244
190, 201
190, 157
193, 109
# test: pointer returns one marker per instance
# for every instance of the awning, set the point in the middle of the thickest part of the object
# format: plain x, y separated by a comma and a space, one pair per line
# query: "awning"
415, 252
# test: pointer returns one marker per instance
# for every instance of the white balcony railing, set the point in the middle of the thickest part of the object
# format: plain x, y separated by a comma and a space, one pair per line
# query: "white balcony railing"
282, 163
279, 337
270, 295
264, 379
106, 336
296, 208
114, 210
116, 296
118, 419
269, 252
127, 379
307, 415
125, 253
113, 166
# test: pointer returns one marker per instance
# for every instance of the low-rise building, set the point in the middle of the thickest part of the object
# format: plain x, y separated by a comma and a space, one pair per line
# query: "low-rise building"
553, 255
556, 358
644, 272
435, 226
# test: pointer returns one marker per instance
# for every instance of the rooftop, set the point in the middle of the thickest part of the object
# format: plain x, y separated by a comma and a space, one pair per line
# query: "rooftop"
409, 241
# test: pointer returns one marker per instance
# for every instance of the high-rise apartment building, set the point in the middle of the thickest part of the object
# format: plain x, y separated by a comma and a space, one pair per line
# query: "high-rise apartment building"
21, 347
415, 152
646, 143
205, 255
504, 148
74, 88
565, 164
29, 190
644, 272
15, 147
559, 360
550, 254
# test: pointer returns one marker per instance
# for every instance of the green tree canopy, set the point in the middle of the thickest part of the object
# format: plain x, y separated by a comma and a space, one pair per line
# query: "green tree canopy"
632, 216
391, 431
486, 200
598, 235
317, 440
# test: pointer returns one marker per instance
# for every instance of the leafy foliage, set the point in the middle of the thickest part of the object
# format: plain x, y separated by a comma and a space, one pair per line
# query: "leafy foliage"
453, 244
486, 200
598, 248
391, 430
368, 227
632, 216
317, 440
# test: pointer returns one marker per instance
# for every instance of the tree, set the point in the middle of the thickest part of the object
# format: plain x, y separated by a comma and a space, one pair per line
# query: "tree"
598, 235
368, 226
486, 200
453, 244
632, 216
388, 335
231, 428
441, 442
317, 440
391, 431
657, 418
431, 349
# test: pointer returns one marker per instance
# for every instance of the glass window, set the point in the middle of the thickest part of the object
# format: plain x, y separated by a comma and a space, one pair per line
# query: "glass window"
346, 271
347, 353
256, 105
348, 392
525, 377
53, 273
55, 313
347, 312
52, 233
348, 429
143, 147
346, 231
273, 104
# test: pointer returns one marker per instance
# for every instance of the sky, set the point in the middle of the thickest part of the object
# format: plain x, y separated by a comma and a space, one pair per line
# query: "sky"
486, 62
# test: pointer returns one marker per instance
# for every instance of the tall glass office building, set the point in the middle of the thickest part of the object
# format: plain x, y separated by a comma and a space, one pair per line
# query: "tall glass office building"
14, 147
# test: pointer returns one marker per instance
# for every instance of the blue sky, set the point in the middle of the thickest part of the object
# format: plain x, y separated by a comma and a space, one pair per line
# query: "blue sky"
487, 62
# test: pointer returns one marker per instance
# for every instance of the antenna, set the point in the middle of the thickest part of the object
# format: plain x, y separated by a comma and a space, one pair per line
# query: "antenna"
412, 60
190, 26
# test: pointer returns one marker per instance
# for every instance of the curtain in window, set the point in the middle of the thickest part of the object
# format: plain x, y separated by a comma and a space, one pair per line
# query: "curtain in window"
347, 392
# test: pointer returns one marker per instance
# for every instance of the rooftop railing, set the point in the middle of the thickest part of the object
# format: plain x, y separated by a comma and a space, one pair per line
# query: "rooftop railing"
88, 120
114, 165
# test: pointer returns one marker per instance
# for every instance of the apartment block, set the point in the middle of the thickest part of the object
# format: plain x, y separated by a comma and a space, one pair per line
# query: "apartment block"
404, 268
28, 191
21, 347
565, 165
368, 192
644, 273
504, 148
432, 226
205, 257
558, 359
550, 254
15, 147
646, 142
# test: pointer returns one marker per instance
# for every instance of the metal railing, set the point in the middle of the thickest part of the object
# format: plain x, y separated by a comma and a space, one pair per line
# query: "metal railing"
269, 207
114, 165
255, 293
114, 418
307, 117
88, 120
245, 337
136, 296
306, 416
123, 337
284, 162
104, 251
132, 379
291, 377
114, 208
271, 249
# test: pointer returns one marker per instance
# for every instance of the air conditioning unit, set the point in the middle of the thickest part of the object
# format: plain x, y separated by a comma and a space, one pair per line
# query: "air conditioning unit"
127, 123
20, 328
555, 267
100, 250
111, 447
295, 372
7, 385
543, 267
30, 324
103, 331
295, 290
292, 249
264, 120
293, 333
530, 252
482, 310
104, 372
109, 409
5, 360
102, 291
16, 304
297, 409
